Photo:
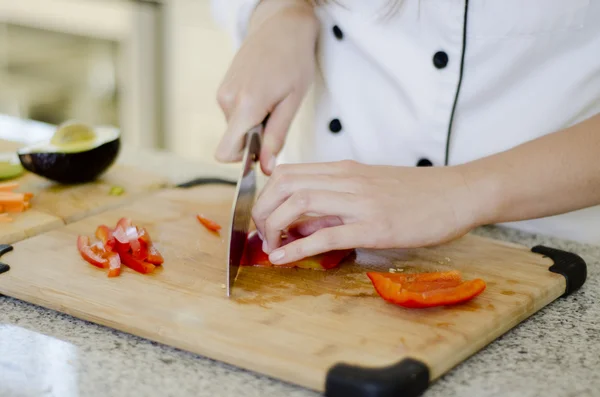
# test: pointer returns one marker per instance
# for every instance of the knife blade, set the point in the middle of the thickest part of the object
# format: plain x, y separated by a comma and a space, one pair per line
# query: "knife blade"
242, 206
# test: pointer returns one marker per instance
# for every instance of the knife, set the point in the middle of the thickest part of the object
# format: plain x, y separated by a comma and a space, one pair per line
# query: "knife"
242, 205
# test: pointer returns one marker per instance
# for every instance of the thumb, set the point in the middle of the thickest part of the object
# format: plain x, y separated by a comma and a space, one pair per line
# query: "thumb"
276, 130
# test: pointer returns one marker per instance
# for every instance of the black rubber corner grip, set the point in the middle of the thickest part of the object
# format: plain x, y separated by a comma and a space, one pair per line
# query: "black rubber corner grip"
407, 378
568, 264
206, 181
4, 248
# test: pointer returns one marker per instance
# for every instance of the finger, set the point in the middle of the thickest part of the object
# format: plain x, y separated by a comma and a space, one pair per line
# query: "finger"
276, 130
277, 192
243, 117
319, 202
308, 226
324, 240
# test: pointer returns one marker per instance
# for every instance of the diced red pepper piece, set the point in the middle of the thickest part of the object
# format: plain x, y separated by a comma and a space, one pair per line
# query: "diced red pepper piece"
135, 264
154, 256
425, 289
114, 264
209, 224
92, 256
151, 252
132, 236
124, 223
104, 234
121, 240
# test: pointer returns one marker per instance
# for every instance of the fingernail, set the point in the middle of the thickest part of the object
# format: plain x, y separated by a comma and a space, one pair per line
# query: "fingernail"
265, 247
276, 255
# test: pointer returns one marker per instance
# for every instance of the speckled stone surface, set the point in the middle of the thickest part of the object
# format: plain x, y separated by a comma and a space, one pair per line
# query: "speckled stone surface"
556, 352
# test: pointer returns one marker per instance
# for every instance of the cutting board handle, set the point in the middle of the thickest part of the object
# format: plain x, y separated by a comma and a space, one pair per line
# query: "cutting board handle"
4, 248
571, 266
407, 378
206, 181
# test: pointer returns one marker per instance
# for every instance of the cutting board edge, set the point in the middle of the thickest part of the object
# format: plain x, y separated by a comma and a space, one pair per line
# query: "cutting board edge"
207, 353
423, 377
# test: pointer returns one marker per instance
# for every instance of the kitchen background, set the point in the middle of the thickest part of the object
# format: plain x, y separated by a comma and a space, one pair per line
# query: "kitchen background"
151, 68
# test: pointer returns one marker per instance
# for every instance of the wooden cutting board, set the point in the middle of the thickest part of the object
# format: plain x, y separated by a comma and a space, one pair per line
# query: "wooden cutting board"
328, 331
54, 205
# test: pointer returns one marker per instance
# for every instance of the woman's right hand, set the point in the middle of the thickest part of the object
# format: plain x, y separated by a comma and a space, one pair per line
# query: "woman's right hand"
269, 75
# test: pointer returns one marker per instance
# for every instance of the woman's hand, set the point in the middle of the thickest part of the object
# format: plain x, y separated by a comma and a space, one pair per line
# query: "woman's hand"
358, 206
269, 75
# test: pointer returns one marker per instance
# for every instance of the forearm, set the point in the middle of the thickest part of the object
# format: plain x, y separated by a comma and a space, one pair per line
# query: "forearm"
551, 175
268, 8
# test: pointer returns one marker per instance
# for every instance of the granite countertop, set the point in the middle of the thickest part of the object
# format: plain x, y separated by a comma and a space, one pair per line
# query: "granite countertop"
556, 352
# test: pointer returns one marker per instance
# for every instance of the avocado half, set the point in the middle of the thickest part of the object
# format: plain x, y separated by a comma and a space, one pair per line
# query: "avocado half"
76, 153
10, 166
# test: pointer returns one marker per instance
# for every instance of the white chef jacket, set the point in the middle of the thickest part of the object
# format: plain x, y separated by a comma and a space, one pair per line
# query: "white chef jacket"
390, 85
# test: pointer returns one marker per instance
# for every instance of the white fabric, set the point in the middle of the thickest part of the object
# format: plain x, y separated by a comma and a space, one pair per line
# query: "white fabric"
531, 67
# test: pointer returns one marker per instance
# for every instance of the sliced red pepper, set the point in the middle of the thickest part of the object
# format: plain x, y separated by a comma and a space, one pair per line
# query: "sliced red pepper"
209, 224
425, 289
89, 254
255, 256
135, 264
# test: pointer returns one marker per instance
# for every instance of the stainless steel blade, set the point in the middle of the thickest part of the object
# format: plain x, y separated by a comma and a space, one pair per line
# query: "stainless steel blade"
242, 205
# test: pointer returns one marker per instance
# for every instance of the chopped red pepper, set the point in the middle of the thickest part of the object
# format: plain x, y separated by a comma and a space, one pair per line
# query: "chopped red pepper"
136, 264
255, 256
209, 224
89, 254
126, 244
425, 289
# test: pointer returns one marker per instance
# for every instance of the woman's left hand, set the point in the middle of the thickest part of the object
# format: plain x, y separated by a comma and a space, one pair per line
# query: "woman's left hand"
352, 205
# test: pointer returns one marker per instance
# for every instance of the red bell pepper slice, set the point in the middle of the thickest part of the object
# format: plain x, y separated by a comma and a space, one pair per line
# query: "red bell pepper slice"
135, 264
93, 256
425, 289
255, 256
209, 224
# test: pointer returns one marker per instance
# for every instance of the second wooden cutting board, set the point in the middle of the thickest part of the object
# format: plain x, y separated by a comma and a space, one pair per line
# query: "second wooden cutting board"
54, 205
328, 331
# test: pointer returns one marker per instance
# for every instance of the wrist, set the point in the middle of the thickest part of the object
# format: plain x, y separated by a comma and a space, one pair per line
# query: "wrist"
300, 9
485, 193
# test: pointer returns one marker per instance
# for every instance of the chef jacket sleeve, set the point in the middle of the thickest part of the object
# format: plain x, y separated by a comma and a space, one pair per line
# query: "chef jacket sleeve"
233, 16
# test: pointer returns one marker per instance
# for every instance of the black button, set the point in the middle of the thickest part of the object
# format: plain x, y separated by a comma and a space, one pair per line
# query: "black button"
335, 126
337, 32
424, 163
440, 59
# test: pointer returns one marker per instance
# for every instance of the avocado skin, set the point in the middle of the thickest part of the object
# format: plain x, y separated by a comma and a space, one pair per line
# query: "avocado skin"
72, 168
